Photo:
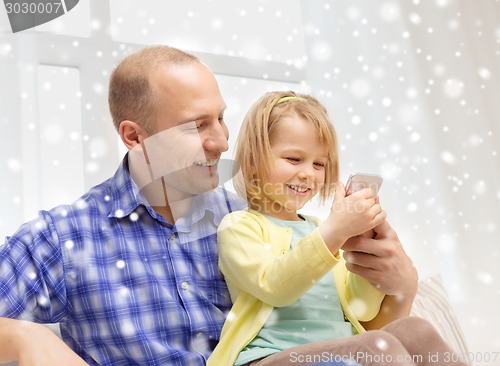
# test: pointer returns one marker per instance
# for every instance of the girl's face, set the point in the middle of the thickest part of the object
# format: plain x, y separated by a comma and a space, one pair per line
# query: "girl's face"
298, 172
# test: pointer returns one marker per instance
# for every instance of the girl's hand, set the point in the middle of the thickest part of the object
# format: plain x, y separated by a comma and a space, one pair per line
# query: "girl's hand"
350, 216
370, 234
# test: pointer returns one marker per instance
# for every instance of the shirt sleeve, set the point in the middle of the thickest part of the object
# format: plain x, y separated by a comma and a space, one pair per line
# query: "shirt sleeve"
32, 280
266, 269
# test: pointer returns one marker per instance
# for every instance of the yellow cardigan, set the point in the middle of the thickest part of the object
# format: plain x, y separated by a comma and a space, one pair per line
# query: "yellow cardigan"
262, 273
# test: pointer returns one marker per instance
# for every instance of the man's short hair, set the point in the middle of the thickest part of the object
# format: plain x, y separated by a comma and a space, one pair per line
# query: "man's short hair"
131, 96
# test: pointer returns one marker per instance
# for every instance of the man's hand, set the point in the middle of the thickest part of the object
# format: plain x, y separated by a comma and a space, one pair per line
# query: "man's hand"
383, 262
33, 344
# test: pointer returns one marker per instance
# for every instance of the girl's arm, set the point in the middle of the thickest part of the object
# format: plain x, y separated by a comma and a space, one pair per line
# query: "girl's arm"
264, 266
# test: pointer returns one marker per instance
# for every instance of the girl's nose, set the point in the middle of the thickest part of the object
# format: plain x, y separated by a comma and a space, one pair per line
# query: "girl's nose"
307, 173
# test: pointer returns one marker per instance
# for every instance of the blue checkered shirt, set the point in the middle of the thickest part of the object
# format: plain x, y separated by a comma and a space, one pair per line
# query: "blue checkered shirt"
126, 286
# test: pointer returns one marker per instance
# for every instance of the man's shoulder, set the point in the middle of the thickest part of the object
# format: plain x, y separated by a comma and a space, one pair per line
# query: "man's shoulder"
97, 204
66, 219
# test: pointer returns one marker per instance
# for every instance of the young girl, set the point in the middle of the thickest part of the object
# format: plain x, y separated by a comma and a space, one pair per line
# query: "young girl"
293, 298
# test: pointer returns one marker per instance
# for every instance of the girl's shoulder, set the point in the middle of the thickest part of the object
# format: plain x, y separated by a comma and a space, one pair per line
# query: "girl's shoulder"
246, 212
249, 217
243, 217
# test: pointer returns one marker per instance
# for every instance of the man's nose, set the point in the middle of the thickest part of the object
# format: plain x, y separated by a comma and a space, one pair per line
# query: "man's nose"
216, 138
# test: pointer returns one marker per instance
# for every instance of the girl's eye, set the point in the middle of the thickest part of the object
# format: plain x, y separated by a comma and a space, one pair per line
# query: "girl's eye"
319, 164
293, 159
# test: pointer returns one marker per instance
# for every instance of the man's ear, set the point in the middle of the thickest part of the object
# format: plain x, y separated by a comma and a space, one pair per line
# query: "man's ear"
131, 133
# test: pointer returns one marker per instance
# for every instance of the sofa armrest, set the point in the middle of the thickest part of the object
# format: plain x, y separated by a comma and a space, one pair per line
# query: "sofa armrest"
433, 304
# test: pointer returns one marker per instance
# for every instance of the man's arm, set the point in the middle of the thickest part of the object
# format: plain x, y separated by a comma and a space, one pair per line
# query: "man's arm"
24, 282
384, 263
33, 344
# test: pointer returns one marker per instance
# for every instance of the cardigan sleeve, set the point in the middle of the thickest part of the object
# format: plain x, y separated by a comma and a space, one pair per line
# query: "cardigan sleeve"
364, 298
360, 299
263, 266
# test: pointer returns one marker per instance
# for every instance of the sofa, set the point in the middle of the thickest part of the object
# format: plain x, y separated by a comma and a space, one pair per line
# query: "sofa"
432, 303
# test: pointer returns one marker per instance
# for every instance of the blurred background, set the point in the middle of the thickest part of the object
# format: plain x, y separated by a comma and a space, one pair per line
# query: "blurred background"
413, 88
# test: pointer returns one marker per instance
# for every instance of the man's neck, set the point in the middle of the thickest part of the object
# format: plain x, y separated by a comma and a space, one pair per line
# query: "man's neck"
169, 203
175, 210
165, 212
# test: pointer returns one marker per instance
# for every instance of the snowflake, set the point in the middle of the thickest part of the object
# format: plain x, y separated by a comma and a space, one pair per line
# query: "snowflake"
415, 18
69, 244
390, 11
484, 277
321, 51
484, 73
453, 88
14, 164
382, 344
360, 88
98, 147
448, 157
412, 207
53, 133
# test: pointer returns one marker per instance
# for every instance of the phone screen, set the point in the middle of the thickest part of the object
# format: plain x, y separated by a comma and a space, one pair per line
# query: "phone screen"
359, 181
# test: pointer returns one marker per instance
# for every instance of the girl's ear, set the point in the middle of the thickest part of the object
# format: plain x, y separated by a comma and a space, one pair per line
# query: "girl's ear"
131, 133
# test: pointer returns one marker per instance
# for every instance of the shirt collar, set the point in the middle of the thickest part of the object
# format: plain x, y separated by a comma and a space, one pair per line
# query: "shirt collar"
126, 194
217, 202
127, 197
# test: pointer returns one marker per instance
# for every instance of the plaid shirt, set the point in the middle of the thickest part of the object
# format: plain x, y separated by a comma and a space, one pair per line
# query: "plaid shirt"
126, 286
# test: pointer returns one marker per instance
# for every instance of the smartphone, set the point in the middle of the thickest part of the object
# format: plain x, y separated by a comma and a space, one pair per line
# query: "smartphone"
359, 181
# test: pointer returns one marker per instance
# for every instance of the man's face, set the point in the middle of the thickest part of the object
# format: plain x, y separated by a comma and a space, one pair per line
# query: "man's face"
191, 133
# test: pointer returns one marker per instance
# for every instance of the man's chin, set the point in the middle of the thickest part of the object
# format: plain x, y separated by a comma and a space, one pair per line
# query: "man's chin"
193, 182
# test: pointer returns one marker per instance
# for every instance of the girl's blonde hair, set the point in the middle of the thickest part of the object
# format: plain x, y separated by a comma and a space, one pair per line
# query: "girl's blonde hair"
253, 148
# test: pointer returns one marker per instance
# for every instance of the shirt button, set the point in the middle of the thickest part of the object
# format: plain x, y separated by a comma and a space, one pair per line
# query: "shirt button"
172, 238
184, 285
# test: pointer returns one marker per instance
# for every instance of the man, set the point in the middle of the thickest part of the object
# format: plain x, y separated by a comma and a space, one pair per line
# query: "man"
130, 269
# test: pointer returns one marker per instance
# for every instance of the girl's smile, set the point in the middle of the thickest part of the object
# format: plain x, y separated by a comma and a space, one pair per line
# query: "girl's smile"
298, 169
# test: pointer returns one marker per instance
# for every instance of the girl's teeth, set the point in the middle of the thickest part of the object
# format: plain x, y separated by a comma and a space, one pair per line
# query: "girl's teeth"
298, 189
